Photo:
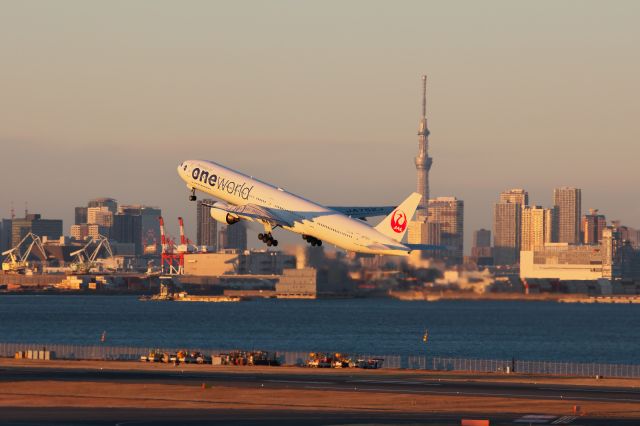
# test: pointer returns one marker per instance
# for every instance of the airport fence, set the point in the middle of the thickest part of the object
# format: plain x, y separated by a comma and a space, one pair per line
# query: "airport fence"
420, 362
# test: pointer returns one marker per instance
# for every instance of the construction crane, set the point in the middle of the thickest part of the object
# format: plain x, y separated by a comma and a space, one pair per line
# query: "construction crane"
172, 261
87, 257
186, 246
16, 260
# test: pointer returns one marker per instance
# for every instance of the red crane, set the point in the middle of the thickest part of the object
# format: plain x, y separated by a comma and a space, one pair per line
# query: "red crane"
172, 262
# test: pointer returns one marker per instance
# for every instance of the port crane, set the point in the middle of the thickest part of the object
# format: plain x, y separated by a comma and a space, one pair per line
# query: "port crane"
16, 260
86, 257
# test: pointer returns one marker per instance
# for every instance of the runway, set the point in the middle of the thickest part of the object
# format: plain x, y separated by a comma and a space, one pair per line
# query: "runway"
342, 382
348, 384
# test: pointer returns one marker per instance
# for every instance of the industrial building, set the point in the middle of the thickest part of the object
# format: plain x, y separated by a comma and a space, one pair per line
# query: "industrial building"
563, 261
229, 262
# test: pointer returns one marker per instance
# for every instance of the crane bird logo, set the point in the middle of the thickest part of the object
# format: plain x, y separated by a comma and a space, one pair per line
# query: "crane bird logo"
398, 221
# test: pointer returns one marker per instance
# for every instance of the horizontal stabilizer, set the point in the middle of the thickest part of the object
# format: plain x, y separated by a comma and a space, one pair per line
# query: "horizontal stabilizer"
426, 247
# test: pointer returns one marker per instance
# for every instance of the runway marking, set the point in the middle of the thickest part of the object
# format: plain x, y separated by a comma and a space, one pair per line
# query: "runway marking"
394, 382
535, 418
602, 390
564, 420
452, 393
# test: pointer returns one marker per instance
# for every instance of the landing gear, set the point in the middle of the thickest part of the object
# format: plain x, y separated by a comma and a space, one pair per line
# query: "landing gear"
268, 239
312, 240
193, 197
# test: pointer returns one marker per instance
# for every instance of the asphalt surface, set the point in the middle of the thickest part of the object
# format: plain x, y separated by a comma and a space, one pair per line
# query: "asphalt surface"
279, 379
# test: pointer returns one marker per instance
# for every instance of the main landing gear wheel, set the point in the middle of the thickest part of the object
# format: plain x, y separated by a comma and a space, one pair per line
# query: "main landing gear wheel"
193, 197
268, 239
312, 240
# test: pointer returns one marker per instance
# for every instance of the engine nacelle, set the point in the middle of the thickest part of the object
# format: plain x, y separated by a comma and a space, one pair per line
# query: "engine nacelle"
224, 216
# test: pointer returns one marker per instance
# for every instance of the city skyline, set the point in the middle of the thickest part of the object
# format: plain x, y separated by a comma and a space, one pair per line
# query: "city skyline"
132, 101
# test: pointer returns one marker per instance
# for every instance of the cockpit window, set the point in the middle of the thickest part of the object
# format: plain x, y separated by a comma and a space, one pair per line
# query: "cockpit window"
185, 167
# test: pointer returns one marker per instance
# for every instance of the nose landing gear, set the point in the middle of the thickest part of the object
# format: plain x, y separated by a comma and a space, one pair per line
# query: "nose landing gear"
193, 197
268, 239
312, 240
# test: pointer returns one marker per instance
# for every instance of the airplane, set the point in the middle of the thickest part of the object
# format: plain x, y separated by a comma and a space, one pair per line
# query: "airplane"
247, 198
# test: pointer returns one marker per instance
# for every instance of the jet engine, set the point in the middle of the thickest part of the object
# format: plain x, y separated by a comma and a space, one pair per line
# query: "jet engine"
224, 216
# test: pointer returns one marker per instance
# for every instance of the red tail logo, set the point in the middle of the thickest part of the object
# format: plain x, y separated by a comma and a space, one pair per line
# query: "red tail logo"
398, 221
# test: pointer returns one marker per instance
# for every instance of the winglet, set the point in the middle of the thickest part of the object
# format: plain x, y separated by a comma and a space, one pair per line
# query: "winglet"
395, 225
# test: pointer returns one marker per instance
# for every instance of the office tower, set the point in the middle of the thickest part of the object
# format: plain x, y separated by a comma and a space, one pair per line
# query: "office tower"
481, 251
100, 216
422, 160
536, 227
50, 228
515, 196
147, 230
482, 238
127, 228
236, 236
506, 233
207, 227
592, 226
5, 238
568, 202
109, 203
80, 215
448, 213
424, 232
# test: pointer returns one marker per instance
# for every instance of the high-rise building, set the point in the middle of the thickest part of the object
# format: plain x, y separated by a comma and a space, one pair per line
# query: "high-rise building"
506, 233
424, 232
100, 216
80, 215
5, 237
481, 251
536, 227
109, 203
207, 227
79, 232
568, 202
422, 161
147, 232
515, 196
127, 228
592, 226
448, 213
507, 226
235, 236
50, 228
482, 238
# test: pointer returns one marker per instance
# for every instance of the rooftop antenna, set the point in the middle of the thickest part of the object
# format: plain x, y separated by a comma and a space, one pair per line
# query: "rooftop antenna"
26, 209
424, 96
13, 212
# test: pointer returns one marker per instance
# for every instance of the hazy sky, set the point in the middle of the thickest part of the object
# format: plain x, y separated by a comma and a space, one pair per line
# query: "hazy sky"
106, 98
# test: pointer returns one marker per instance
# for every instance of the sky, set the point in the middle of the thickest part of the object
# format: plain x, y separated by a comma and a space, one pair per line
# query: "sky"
321, 98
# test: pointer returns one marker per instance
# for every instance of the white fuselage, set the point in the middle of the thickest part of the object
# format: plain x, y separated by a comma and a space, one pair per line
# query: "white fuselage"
308, 218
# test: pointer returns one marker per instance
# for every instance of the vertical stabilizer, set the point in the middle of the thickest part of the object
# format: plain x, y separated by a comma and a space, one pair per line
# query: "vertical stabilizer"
395, 225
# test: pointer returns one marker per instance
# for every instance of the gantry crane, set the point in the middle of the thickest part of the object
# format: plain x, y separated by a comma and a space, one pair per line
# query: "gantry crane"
86, 257
17, 261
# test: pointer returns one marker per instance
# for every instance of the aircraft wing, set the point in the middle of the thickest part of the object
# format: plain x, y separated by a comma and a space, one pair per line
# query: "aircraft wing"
252, 212
364, 212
